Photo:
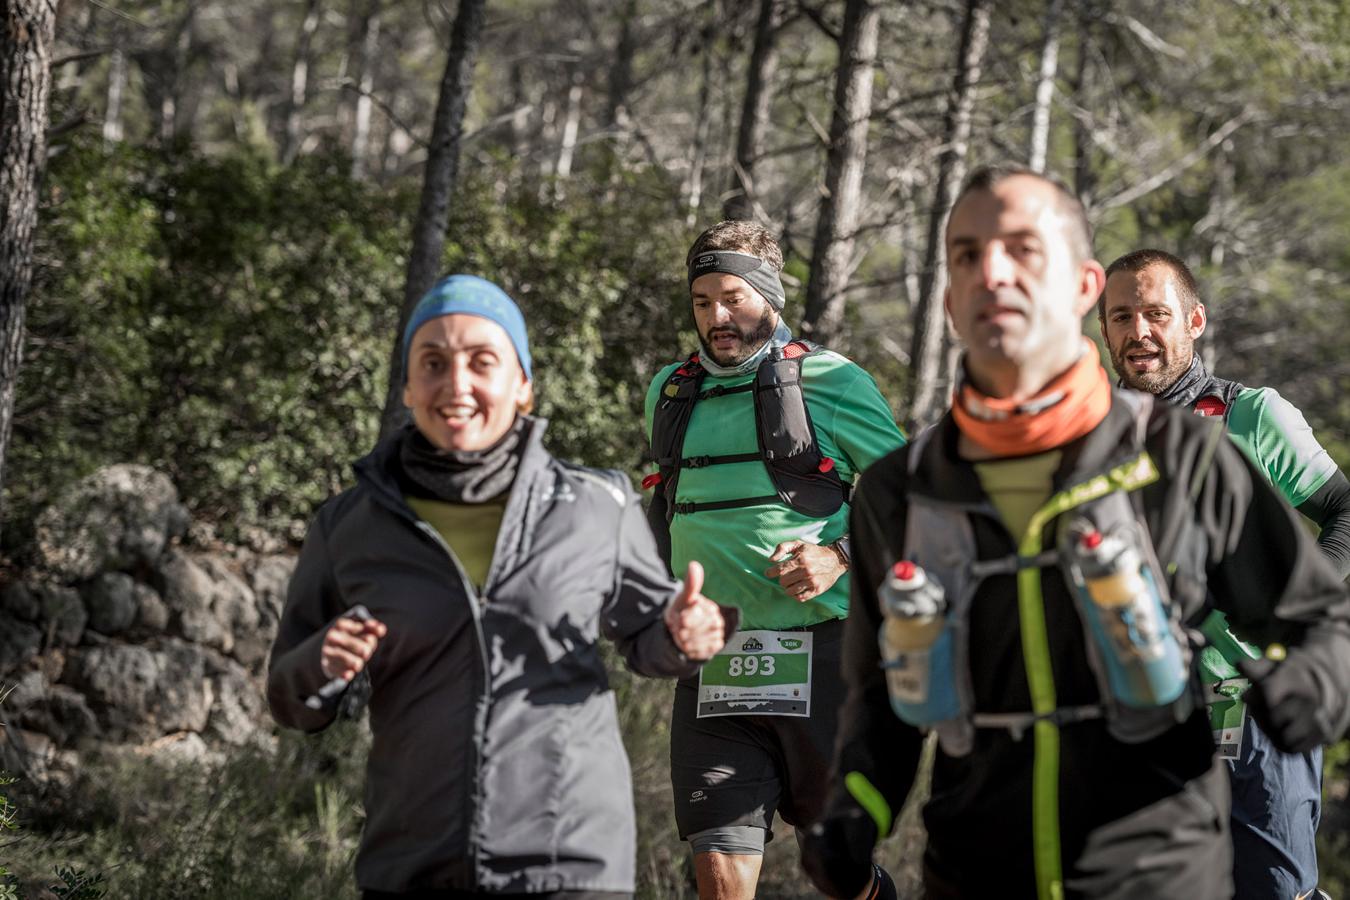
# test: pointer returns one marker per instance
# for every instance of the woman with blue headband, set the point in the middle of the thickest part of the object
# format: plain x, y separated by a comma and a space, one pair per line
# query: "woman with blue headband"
469, 574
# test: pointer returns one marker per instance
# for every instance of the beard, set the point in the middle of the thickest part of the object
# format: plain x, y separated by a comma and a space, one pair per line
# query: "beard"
751, 340
1173, 362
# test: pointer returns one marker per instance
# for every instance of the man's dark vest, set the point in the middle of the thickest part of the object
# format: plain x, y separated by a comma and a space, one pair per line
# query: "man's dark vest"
1202, 392
805, 480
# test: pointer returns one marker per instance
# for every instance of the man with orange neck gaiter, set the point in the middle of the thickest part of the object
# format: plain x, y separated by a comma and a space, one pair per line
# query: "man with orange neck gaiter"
1062, 540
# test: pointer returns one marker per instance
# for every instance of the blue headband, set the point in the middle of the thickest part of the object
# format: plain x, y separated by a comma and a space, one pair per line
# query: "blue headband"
471, 296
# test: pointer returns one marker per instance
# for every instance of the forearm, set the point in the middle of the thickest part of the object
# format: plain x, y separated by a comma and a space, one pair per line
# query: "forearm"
294, 675
652, 652
1329, 507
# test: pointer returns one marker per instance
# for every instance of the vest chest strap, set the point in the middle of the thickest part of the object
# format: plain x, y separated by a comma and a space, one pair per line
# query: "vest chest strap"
1017, 724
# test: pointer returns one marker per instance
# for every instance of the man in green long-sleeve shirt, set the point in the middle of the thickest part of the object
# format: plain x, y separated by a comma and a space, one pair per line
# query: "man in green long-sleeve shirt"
759, 439
1151, 317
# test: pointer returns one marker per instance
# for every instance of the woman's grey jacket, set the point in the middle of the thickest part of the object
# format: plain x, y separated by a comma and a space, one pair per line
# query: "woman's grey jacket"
496, 762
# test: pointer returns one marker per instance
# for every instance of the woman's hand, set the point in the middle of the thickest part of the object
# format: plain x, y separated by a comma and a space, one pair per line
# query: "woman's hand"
695, 623
348, 646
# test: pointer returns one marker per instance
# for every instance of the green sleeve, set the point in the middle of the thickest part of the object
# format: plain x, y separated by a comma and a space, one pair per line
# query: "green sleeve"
862, 424
1278, 440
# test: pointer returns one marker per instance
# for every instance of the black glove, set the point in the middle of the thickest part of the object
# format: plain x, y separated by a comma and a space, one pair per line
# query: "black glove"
1286, 702
837, 852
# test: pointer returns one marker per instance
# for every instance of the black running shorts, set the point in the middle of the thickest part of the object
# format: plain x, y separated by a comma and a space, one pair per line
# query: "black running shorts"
740, 770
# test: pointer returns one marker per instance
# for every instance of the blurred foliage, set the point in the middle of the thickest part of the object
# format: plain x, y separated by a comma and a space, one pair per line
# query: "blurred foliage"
229, 321
266, 823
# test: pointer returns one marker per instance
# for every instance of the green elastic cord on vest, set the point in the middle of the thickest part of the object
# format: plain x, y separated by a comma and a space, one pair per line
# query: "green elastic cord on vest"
870, 799
1040, 673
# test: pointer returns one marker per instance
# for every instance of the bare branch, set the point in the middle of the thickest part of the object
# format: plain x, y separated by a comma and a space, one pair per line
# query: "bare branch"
818, 19
1149, 185
1148, 38
117, 12
80, 57
348, 84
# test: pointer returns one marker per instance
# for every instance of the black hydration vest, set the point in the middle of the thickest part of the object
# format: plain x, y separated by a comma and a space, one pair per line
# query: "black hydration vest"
805, 480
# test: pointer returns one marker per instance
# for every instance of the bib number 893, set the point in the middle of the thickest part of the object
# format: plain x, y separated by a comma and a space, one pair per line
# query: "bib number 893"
750, 665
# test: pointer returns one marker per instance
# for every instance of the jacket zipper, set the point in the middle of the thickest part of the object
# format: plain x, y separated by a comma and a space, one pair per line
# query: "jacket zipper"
475, 604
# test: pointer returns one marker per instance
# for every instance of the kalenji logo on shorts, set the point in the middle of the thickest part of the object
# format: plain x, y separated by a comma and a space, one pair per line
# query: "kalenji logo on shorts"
752, 646
697, 796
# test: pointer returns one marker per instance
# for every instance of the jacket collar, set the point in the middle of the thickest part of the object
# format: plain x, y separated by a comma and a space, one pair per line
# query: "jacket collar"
942, 475
376, 470
1196, 382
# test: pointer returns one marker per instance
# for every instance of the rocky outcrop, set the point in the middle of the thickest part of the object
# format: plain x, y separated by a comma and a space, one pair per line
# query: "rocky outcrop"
117, 519
120, 633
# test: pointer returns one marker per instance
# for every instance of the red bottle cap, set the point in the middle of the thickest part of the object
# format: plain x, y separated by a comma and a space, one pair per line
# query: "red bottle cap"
1092, 540
904, 570
826, 465
651, 481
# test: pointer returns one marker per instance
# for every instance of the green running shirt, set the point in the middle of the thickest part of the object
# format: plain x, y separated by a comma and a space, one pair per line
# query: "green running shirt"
1274, 436
1278, 440
854, 427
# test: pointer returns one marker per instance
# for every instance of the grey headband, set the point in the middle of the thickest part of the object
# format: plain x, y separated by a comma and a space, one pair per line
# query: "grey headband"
754, 270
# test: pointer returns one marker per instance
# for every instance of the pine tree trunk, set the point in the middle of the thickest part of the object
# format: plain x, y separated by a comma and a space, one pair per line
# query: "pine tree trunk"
837, 222
571, 125
25, 81
442, 166
1084, 179
368, 47
1045, 89
698, 159
112, 113
930, 320
621, 70
759, 85
299, 82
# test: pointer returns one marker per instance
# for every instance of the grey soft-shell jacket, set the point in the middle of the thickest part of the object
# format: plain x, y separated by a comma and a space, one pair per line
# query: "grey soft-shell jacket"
496, 762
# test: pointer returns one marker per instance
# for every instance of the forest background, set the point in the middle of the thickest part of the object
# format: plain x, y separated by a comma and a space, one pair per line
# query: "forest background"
240, 198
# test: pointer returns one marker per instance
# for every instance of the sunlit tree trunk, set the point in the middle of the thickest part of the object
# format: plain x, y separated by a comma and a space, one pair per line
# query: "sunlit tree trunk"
930, 320
759, 85
698, 159
837, 222
621, 69
368, 47
1045, 89
442, 167
299, 82
112, 112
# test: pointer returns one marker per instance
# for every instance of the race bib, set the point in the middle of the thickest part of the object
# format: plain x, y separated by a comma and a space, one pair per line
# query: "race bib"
760, 673
1227, 715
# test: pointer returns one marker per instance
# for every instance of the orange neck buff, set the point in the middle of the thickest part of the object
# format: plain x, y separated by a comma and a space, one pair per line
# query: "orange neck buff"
1067, 408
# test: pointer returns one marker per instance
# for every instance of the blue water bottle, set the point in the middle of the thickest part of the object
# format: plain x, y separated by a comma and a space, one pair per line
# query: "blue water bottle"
1126, 616
916, 646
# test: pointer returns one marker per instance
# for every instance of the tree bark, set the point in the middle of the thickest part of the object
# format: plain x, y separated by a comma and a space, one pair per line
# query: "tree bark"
299, 82
837, 221
621, 70
759, 85
698, 159
1084, 179
161, 68
25, 82
930, 320
1045, 89
112, 113
367, 47
428, 237
571, 125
